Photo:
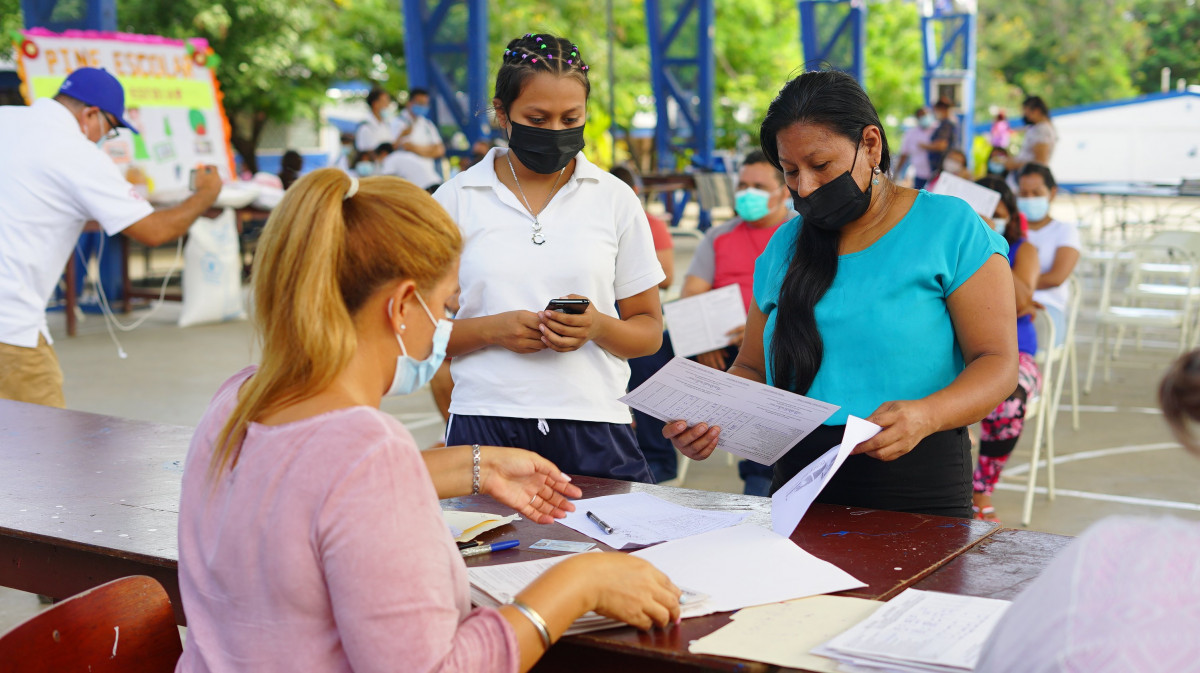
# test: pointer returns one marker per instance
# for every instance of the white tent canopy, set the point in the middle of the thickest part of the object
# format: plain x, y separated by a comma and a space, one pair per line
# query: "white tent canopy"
1151, 139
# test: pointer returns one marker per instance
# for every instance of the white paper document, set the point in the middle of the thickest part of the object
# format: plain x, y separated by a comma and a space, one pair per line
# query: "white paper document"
702, 323
496, 585
639, 519
792, 500
982, 199
746, 565
758, 422
920, 630
784, 633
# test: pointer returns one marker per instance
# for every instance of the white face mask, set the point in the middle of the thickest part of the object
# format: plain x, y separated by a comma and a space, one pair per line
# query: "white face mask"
1000, 224
952, 165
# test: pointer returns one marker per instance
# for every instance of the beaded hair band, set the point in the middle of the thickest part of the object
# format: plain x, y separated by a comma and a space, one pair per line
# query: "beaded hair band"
532, 55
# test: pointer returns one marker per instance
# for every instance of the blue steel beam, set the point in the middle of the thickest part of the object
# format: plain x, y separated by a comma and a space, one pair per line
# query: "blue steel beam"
948, 45
680, 34
682, 65
826, 38
88, 15
446, 53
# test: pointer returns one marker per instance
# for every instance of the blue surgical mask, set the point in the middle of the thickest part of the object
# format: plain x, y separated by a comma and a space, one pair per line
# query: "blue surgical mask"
997, 167
1035, 207
365, 169
412, 374
1000, 224
925, 121
419, 110
752, 204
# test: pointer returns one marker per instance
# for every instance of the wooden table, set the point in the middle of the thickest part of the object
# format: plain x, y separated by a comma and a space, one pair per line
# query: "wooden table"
85, 499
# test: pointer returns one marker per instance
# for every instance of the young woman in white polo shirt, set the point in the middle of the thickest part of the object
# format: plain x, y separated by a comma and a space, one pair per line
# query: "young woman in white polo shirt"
541, 222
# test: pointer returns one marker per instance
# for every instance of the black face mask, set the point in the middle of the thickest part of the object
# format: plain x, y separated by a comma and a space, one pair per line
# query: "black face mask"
545, 151
834, 204
1027, 120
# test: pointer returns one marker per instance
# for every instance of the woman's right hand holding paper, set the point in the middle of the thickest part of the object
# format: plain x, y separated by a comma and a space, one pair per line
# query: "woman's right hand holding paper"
697, 442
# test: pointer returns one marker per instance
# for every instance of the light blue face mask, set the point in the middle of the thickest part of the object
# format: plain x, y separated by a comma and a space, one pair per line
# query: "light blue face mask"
752, 204
412, 374
997, 167
419, 110
1035, 207
1000, 224
365, 169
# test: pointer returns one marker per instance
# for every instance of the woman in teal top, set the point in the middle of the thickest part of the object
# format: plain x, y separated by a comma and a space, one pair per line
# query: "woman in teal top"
894, 304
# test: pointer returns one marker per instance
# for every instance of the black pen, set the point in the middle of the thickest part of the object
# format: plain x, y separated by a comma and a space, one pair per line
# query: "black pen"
603, 526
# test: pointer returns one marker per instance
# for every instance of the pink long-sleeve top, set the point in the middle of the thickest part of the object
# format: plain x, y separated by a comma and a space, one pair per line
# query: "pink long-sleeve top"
324, 550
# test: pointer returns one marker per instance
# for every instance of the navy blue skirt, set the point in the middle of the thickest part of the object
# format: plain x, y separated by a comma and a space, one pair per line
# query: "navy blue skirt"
608, 450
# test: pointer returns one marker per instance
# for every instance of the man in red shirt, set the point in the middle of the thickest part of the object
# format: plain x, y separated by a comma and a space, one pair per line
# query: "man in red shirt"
726, 257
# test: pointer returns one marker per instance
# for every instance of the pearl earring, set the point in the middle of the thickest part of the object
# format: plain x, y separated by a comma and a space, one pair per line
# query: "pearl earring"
876, 171
403, 327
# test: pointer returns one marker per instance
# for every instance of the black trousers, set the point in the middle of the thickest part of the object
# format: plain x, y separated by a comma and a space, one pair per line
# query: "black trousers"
933, 478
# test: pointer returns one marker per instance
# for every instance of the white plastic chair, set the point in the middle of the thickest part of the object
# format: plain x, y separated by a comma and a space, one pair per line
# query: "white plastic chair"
1176, 293
1040, 408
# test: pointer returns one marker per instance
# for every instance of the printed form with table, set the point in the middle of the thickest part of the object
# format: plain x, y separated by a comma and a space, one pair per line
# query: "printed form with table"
778, 590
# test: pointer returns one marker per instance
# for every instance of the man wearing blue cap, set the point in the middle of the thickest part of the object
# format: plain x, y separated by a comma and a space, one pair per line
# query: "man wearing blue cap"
54, 178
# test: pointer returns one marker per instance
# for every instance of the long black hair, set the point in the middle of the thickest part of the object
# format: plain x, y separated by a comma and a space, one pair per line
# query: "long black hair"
836, 101
999, 185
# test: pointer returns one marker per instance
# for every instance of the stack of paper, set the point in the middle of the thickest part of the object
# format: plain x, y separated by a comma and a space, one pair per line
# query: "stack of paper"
921, 631
465, 526
640, 519
784, 633
719, 571
493, 586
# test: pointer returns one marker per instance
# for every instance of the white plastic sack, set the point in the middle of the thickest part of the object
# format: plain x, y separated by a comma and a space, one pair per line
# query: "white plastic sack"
212, 272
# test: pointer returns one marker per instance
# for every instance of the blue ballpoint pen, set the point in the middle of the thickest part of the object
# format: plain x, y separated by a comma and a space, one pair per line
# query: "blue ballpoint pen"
489, 548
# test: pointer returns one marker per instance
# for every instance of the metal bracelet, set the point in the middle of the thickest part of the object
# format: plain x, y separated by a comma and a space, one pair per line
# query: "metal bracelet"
536, 619
474, 469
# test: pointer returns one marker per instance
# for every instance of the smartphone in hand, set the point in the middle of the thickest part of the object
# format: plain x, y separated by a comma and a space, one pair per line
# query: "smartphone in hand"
572, 306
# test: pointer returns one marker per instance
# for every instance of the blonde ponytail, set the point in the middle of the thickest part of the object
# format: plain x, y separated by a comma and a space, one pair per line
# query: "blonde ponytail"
320, 257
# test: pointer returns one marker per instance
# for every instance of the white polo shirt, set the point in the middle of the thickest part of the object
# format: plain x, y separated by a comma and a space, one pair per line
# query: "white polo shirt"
374, 132
410, 167
52, 181
598, 245
423, 133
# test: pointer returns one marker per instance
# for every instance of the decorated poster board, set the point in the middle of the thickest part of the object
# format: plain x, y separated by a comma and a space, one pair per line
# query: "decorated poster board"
171, 95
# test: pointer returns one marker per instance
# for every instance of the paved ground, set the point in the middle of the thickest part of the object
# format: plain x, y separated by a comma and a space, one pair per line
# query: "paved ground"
1121, 461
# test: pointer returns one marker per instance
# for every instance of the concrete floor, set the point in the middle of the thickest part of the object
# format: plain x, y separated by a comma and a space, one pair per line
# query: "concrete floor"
1121, 461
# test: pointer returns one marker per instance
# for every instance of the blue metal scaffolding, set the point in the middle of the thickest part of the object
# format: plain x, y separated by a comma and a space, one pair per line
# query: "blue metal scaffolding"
681, 64
446, 53
59, 16
949, 47
834, 32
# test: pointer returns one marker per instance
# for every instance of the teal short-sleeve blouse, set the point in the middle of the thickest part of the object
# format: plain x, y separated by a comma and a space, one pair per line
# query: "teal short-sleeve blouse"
884, 322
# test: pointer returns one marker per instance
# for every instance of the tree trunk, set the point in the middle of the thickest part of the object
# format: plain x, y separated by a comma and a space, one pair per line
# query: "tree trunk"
246, 130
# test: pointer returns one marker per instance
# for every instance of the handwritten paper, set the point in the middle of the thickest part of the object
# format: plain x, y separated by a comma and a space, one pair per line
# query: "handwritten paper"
702, 323
982, 199
791, 502
920, 630
640, 519
784, 633
758, 422
746, 565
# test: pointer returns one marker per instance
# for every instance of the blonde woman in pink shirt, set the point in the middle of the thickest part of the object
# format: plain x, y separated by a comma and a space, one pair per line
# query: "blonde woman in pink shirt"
310, 536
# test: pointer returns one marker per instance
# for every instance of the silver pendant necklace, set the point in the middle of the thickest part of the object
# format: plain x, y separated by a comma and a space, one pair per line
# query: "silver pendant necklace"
537, 236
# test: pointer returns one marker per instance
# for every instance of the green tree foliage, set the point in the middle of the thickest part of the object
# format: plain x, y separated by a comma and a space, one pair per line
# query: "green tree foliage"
1173, 32
1067, 51
278, 57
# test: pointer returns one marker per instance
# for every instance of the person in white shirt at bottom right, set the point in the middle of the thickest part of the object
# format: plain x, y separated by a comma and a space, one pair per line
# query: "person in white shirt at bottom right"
54, 178
1125, 595
1057, 243
541, 222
